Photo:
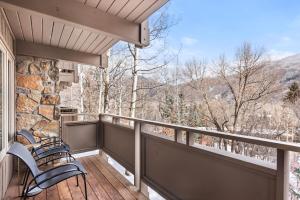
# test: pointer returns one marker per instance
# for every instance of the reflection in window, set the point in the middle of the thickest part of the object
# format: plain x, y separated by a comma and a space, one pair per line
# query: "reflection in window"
11, 102
1, 102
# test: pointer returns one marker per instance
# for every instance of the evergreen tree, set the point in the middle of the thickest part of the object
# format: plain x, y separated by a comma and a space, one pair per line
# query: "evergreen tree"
293, 94
167, 109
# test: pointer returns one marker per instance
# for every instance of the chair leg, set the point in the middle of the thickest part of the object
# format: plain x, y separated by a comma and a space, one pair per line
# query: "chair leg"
24, 196
85, 190
25, 183
24, 177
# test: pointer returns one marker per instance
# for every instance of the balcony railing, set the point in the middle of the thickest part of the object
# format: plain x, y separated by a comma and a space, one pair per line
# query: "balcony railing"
179, 164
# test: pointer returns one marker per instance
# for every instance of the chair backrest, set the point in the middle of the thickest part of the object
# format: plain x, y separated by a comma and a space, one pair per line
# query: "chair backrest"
19, 150
30, 138
27, 135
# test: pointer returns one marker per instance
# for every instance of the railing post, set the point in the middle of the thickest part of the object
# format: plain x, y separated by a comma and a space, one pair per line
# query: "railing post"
137, 155
116, 120
179, 136
190, 138
283, 173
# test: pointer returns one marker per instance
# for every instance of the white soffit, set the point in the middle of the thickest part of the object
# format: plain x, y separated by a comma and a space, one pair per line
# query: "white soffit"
42, 29
132, 10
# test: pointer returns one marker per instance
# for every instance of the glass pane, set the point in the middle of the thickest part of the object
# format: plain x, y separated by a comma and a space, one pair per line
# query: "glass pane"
10, 102
1, 102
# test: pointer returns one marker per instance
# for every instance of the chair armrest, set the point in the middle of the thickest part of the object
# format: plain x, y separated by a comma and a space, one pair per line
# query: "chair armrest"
52, 138
56, 158
79, 165
38, 183
49, 144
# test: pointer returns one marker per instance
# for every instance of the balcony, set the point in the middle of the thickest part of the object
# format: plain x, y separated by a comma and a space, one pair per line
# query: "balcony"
176, 165
177, 162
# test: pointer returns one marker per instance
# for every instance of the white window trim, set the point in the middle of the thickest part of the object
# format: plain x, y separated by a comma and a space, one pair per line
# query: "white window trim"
5, 96
11, 98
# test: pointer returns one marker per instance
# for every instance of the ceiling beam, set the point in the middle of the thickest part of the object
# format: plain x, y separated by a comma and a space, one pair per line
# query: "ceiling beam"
50, 52
77, 14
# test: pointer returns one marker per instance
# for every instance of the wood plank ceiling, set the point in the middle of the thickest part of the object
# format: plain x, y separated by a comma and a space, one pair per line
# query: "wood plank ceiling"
42, 30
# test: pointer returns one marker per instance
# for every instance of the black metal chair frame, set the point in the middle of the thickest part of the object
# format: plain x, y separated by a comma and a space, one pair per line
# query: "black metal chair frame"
21, 152
38, 152
52, 144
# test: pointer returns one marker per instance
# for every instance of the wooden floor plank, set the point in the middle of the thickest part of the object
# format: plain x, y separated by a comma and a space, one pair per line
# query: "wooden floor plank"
90, 190
110, 190
41, 196
63, 191
121, 178
52, 193
95, 185
103, 183
13, 189
75, 190
113, 180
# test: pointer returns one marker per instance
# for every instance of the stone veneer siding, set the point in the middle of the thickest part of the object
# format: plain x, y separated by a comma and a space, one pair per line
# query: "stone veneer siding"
37, 88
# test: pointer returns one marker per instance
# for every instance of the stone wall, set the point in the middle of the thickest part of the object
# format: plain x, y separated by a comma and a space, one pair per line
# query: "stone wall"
37, 88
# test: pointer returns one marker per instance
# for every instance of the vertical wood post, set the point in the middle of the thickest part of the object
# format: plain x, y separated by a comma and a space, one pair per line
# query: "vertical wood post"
283, 172
137, 155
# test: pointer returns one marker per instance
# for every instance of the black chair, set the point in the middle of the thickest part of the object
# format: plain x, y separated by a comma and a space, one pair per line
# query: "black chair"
46, 147
44, 179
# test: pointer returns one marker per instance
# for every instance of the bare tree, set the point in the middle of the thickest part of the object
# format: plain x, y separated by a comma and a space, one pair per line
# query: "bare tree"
246, 79
151, 59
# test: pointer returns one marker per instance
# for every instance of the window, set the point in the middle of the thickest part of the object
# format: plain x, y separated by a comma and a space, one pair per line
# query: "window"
11, 99
7, 102
1, 100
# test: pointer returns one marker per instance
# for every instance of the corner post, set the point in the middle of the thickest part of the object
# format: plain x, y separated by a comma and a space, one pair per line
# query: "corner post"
100, 133
137, 155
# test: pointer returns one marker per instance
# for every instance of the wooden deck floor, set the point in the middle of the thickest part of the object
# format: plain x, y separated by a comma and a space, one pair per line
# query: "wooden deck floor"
103, 183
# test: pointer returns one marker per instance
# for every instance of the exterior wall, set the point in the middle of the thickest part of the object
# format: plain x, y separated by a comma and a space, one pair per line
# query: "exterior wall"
6, 162
38, 88
6, 171
6, 34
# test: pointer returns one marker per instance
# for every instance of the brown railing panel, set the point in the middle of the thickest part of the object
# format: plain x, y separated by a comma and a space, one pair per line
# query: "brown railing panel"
81, 136
118, 142
178, 171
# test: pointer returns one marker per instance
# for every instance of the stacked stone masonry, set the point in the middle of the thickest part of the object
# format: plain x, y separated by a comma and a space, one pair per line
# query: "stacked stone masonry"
38, 88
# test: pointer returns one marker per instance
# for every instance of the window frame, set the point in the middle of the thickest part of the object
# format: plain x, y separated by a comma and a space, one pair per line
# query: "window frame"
5, 98
11, 98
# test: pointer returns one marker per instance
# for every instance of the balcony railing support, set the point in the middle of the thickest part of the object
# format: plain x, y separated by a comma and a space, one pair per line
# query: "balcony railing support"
186, 136
283, 173
137, 155
116, 120
190, 139
287, 168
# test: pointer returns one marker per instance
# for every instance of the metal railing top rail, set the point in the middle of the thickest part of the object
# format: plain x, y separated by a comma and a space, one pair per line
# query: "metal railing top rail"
79, 114
286, 146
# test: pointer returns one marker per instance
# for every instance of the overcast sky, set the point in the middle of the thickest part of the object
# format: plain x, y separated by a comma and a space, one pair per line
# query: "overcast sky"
208, 28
